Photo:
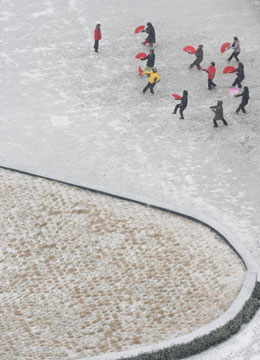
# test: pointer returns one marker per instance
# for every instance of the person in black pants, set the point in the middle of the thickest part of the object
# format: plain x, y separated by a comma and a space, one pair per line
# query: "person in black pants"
240, 75
182, 106
218, 110
244, 102
150, 60
154, 78
199, 57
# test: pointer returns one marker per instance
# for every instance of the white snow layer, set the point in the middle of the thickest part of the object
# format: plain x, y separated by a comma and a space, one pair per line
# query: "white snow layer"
71, 114
83, 273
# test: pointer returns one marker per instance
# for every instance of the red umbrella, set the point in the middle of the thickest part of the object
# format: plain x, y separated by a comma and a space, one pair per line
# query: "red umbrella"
139, 29
140, 55
140, 71
176, 96
228, 69
189, 49
224, 47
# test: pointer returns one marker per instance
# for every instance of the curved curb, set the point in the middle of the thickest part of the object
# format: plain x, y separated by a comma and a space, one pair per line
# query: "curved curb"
250, 279
244, 295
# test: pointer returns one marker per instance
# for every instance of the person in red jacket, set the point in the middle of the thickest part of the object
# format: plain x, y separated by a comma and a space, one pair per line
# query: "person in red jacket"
211, 75
97, 36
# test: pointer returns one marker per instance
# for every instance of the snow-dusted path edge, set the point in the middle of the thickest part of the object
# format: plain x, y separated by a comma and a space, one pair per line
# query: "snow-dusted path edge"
244, 295
252, 274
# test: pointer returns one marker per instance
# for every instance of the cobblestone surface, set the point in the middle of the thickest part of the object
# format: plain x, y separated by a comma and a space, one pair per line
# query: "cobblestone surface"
71, 115
102, 274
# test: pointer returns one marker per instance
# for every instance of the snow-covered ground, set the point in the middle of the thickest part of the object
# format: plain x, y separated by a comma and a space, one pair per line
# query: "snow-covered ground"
70, 114
84, 274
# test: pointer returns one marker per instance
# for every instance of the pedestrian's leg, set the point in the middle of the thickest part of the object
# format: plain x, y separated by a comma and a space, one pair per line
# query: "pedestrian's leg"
96, 45
239, 83
236, 56
176, 108
215, 123
239, 107
146, 87
194, 62
151, 88
147, 68
224, 122
231, 57
213, 84
243, 104
209, 84
235, 82
181, 113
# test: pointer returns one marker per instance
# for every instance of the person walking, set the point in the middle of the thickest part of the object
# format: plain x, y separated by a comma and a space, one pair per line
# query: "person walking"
199, 57
244, 102
236, 49
97, 36
240, 75
151, 34
183, 104
218, 110
150, 60
211, 75
154, 78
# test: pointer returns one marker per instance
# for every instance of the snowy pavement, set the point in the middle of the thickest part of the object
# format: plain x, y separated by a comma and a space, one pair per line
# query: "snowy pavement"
73, 115
102, 274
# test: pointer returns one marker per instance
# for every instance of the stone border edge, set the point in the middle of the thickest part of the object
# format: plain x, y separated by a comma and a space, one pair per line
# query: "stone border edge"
242, 309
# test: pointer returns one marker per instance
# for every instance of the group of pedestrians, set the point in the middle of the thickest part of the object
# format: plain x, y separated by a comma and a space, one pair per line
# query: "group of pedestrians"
151, 71
239, 71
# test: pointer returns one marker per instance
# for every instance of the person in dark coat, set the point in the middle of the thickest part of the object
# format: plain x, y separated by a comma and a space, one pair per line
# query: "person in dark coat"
218, 110
199, 57
183, 104
236, 49
240, 75
244, 102
97, 36
151, 34
150, 60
